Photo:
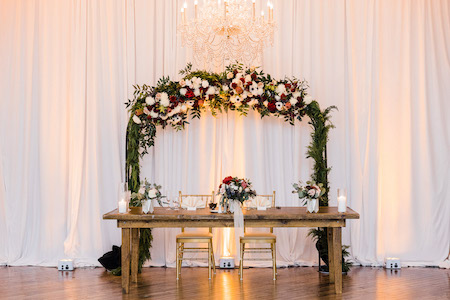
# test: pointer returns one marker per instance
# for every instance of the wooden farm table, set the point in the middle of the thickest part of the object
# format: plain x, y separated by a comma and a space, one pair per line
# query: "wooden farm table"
274, 217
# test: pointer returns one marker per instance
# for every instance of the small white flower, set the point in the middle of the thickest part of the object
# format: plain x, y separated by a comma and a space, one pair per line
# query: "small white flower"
233, 99
296, 94
239, 75
247, 190
266, 103
136, 119
183, 91
205, 84
190, 103
152, 193
312, 192
142, 190
237, 104
279, 105
260, 85
177, 109
307, 99
164, 99
154, 115
146, 111
197, 92
293, 101
164, 117
182, 82
211, 91
150, 100
240, 189
248, 78
230, 75
252, 68
277, 97
225, 88
176, 119
189, 83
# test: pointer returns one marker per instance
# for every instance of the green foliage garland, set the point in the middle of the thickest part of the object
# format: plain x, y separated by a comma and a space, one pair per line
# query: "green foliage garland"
236, 89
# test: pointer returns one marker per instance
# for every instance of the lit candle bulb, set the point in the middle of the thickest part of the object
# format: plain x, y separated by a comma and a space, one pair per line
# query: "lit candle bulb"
262, 14
182, 15
254, 8
195, 5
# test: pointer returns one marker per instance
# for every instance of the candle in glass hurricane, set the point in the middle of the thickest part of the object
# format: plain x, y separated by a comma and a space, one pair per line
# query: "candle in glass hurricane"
342, 200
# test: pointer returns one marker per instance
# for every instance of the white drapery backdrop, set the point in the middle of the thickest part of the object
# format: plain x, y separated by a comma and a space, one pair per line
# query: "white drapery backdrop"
67, 67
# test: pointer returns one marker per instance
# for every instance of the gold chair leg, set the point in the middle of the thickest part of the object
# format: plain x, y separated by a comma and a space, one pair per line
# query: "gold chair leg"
241, 263
181, 255
178, 261
213, 259
209, 260
274, 260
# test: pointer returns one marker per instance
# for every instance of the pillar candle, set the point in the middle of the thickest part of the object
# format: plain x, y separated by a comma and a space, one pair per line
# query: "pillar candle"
122, 206
342, 204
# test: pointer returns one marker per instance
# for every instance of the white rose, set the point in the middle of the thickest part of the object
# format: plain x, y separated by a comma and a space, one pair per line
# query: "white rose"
177, 109
248, 78
184, 108
312, 192
183, 91
281, 88
136, 119
197, 92
164, 99
154, 115
189, 83
240, 189
230, 75
142, 190
247, 190
182, 82
307, 99
260, 85
277, 97
152, 193
211, 91
279, 105
293, 101
266, 103
205, 84
233, 99
225, 88
150, 100
239, 75
296, 94
146, 111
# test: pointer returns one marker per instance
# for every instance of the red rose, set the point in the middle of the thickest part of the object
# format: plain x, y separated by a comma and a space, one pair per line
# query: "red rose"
234, 85
242, 80
287, 85
283, 97
189, 94
173, 99
227, 180
253, 76
271, 106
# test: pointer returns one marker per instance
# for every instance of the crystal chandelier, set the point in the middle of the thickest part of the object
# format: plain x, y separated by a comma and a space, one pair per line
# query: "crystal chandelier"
222, 32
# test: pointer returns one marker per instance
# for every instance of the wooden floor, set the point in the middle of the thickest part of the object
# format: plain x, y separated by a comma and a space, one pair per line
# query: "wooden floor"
160, 283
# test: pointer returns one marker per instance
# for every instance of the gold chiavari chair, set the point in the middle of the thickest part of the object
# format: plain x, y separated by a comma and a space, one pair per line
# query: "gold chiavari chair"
259, 238
195, 237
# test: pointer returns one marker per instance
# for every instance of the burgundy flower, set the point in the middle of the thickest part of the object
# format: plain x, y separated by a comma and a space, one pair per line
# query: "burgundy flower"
234, 85
271, 106
253, 76
227, 180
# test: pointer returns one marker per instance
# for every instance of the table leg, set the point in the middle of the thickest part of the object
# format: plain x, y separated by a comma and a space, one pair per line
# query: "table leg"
330, 253
125, 260
134, 253
337, 259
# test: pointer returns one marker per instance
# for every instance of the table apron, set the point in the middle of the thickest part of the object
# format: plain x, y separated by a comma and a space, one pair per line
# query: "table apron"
229, 223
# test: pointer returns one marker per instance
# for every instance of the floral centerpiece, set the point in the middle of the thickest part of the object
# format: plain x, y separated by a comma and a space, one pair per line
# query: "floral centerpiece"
147, 193
235, 189
311, 192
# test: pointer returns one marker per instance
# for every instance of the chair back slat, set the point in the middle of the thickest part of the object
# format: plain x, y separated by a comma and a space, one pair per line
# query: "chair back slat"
205, 198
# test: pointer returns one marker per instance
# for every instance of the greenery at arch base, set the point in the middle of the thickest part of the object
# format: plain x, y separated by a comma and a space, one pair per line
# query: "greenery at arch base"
240, 89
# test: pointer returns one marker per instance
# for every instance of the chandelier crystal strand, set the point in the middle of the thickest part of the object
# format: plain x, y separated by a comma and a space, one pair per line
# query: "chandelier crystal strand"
226, 31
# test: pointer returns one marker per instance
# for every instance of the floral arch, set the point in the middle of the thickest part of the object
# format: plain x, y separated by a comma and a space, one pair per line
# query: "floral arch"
240, 89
